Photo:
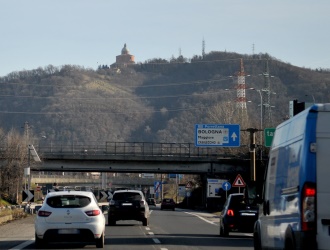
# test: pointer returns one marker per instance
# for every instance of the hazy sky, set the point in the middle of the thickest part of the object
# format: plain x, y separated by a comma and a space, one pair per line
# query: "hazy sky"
37, 33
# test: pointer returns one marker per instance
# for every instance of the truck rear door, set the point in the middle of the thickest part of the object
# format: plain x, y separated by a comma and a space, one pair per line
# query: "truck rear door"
323, 179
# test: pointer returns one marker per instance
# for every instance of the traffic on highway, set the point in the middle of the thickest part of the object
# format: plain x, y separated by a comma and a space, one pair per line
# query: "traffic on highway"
167, 229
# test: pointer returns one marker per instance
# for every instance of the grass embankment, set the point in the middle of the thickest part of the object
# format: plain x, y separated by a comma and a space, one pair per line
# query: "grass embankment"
17, 213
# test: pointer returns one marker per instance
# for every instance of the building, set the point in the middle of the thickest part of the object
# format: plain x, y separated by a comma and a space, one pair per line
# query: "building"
124, 59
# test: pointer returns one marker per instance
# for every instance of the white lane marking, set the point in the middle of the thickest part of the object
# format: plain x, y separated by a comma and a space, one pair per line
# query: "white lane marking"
24, 244
151, 233
157, 241
211, 222
147, 228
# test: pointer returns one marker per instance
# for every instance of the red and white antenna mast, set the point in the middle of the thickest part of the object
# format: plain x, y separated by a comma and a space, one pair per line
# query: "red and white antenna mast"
241, 98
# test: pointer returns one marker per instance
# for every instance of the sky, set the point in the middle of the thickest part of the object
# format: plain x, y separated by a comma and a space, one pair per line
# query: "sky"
89, 33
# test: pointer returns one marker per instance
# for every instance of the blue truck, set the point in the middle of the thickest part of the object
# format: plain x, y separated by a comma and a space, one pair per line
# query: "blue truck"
294, 211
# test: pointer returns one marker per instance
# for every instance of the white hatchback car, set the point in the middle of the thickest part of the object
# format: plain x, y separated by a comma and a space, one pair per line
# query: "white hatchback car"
70, 216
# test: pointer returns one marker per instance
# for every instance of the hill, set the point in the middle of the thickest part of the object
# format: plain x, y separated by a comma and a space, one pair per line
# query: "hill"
157, 101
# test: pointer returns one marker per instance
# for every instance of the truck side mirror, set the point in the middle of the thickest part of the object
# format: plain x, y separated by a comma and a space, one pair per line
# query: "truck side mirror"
251, 194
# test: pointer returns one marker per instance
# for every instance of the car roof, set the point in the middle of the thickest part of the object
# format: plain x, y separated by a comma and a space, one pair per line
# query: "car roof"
128, 190
236, 194
70, 192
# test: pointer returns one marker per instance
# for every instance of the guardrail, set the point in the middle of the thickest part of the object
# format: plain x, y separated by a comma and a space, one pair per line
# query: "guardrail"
132, 149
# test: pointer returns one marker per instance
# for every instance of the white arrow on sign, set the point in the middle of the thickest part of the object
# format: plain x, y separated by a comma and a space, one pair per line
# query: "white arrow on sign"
104, 196
234, 136
29, 195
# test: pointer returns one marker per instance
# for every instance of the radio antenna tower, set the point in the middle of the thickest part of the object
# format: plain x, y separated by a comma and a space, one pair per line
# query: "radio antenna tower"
241, 98
203, 48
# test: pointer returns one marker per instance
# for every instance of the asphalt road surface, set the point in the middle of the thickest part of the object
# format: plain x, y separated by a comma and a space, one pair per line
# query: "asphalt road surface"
168, 230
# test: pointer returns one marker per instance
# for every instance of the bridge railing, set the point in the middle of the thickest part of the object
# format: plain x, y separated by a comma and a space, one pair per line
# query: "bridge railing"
132, 149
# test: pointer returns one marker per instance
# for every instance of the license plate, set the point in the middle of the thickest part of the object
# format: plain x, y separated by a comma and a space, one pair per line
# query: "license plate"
248, 214
68, 231
127, 204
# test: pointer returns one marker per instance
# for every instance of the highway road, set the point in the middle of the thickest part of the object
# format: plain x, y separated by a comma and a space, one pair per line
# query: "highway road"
168, 230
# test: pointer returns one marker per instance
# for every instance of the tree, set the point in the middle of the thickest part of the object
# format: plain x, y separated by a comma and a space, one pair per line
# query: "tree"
11, 172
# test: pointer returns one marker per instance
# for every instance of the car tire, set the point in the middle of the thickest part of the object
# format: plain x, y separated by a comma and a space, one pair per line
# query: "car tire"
39, 243
173, 209
100, 242
145, 222
111, 222
256, 237
224, 232
256, 241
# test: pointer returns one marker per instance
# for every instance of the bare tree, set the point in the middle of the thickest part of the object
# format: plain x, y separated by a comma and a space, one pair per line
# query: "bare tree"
14, 149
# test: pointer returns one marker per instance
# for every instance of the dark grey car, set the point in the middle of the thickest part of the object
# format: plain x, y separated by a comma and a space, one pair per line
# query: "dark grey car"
236, 216
128, 205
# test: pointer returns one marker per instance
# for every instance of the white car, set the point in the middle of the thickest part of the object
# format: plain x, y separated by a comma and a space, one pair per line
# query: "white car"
70, 216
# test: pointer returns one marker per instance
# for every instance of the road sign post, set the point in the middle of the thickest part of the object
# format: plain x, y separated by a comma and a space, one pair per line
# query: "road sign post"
226, 186
239, 182
217, 135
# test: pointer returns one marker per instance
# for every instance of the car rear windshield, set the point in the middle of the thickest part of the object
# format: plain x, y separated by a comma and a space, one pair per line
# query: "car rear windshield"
127, 196
236, 200
168, 200
68, 201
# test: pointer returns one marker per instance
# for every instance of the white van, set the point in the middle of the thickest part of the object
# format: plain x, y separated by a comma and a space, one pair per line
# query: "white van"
295, 211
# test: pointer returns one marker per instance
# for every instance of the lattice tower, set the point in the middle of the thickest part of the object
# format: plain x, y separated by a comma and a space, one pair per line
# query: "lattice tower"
241, 98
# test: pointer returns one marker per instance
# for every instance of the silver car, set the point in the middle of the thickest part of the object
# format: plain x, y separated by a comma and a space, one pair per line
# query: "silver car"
70, 216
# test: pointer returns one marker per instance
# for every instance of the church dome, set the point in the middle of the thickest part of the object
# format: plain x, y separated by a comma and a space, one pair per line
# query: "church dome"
125, 50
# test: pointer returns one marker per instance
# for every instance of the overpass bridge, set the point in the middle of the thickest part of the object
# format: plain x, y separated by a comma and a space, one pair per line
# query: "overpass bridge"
138, 157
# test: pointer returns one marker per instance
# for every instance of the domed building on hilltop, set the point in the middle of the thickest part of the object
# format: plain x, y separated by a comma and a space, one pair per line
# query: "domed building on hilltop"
124, 59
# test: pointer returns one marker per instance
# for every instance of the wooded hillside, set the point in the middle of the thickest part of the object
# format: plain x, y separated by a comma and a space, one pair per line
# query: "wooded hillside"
157, 101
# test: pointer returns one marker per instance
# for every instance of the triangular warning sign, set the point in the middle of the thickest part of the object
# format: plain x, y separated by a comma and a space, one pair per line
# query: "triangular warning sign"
238, 181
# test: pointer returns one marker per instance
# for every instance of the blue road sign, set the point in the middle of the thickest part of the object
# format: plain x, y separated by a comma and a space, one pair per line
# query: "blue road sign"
217, 135
226, 186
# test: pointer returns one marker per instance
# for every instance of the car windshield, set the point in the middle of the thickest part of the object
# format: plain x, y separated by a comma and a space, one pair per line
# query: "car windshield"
68, 201
127, 196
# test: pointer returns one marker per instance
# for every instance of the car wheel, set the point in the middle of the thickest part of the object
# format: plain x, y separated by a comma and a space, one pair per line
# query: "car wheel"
256, 241
39, 243
223, 230
100, 242
111, 222
256, 237
173, 209
145, 221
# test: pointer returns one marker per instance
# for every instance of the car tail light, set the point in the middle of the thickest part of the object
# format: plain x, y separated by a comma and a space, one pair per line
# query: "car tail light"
230, 212
308, 207
42, 213
93, 212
